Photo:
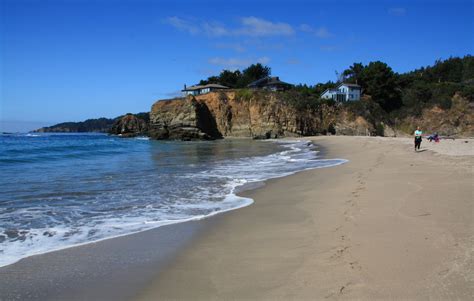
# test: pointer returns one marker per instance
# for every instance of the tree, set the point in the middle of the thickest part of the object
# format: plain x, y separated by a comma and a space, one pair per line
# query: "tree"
320, 87
210, 80
417, 96
379, 81
252, 73
353, 74
230, 78
468, 68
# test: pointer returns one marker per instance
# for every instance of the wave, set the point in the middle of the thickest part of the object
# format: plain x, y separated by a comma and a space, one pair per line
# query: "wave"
159, 197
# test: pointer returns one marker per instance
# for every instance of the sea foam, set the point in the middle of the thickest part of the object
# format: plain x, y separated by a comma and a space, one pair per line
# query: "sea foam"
144, 185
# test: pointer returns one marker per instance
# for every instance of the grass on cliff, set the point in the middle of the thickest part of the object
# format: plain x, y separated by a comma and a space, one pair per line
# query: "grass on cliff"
244, 94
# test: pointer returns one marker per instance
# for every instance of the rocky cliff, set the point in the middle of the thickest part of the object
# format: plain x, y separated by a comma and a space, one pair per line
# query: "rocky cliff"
252, 114
243, 113
457, 121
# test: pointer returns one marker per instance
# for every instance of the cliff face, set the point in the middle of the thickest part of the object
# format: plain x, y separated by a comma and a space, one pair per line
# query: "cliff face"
257, 115
269, 115
182, 119
456, 121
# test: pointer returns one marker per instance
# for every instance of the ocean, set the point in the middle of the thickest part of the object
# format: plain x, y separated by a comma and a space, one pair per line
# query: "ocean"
62, 190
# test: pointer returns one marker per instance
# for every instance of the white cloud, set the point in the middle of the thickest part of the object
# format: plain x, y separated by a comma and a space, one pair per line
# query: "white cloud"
214, 29
249, 26
397, 11
320, 32
182, 25
257, 27
237, 62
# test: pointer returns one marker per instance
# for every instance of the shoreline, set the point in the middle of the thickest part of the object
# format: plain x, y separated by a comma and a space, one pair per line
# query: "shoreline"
183, 269
236, 193
391, 223
64, 283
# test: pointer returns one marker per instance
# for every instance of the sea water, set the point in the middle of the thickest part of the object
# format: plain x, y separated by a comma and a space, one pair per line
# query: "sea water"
62, 190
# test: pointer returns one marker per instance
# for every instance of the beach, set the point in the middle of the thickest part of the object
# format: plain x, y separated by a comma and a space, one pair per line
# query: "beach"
389, 224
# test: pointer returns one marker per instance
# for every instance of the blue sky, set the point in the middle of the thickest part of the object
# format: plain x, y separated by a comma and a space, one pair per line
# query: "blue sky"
70, 60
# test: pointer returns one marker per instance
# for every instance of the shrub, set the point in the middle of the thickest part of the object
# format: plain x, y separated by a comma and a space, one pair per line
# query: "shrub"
244, 94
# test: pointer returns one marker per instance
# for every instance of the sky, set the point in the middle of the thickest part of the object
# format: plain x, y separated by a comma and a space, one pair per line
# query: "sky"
70, 60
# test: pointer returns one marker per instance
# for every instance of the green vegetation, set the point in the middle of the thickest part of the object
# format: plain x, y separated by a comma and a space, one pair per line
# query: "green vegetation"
401, 95
389, 98
90, 125
244, 94
303, 98
237, 78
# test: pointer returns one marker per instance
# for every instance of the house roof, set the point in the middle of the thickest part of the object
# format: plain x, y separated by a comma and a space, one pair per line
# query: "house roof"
349, 85
330, 90
199, 87
267, 81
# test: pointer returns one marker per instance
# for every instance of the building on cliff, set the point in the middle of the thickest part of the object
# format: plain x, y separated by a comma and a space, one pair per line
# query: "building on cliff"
270, 83
202, 89
343, 92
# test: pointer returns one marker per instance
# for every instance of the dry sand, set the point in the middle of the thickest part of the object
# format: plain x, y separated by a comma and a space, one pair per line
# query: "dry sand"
389, 224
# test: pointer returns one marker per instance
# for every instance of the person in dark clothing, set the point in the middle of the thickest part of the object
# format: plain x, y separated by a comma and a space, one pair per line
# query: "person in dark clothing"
434, 137
418, 134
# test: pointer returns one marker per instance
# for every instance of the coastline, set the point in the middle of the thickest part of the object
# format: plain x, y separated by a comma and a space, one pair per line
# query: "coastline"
72, 271
305, 236
391, 223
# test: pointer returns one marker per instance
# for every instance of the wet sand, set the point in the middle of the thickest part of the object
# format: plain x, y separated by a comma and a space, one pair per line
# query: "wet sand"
112, 269
390, 224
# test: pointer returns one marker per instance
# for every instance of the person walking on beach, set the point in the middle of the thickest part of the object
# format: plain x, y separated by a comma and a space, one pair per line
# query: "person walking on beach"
418, 134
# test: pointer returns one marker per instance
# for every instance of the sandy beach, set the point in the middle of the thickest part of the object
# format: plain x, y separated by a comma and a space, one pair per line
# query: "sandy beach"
389, 224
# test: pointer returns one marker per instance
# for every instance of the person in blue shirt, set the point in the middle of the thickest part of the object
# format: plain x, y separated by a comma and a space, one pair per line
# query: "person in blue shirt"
418, 134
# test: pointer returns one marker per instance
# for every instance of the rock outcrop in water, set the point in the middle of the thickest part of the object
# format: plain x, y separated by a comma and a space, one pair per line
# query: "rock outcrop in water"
130, 125
183, 119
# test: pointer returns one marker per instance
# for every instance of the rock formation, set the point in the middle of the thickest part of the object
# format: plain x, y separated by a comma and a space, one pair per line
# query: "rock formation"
234, 114
129, 126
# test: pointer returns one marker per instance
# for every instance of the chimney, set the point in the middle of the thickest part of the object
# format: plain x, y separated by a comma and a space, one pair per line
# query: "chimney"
184, 86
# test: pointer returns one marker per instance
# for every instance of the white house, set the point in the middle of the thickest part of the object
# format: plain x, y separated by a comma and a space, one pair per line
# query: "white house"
343, 92
202, 89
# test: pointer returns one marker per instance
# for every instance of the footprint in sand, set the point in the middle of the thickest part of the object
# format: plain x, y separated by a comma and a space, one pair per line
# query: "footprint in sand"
339, 252
355, 265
